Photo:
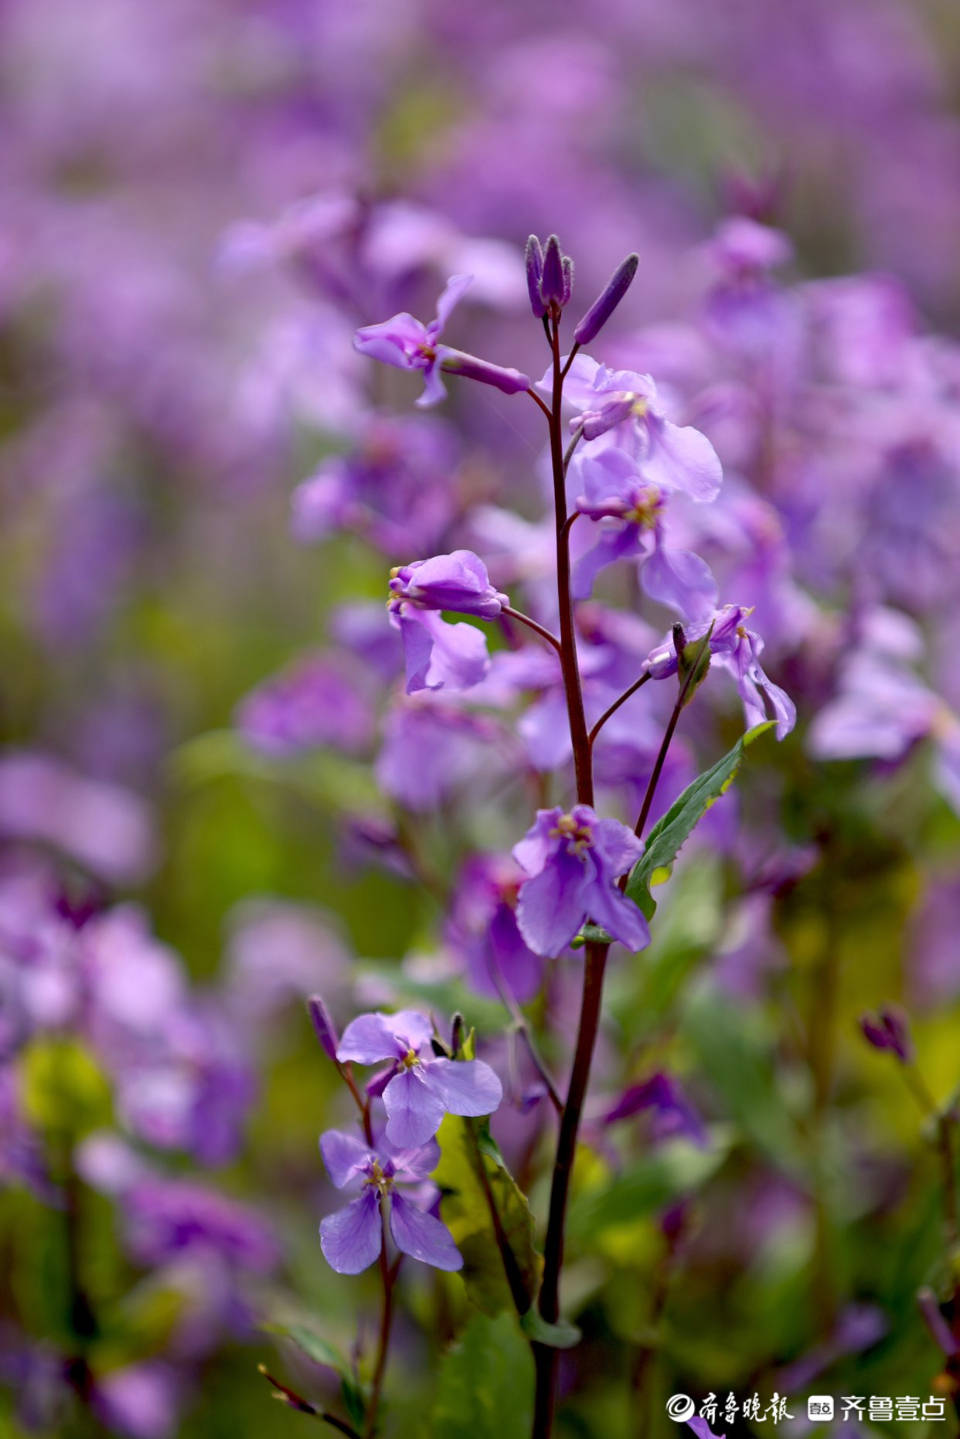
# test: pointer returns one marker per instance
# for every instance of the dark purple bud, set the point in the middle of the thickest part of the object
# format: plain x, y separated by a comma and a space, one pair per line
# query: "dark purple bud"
324, 1026
933, 1317
888, 1029
607, 301
567, 280
533, 257
552, 281
470, 367
456, 1033
679, 639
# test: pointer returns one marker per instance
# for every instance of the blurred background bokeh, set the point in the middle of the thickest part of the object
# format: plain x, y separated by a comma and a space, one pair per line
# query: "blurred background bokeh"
201, 199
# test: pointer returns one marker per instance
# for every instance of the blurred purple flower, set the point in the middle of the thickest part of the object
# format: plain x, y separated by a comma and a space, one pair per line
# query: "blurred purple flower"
311, 704
889, 1029
672, 1113
408, 344
482, 928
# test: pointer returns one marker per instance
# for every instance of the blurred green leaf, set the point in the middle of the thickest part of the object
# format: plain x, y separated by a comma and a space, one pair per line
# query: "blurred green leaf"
468, 1159
320, 1350
63, 1088
662, 1176
562, 1335
485, 1383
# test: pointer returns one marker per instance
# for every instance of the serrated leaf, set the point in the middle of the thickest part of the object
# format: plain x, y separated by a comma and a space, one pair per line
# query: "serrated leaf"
562, 1335
673, 829
485, 1382
465, 1145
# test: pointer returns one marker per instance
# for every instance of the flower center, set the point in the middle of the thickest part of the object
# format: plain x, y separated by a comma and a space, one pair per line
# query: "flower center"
647, 504
410, 1060
578, 836
639, 406
377, 1179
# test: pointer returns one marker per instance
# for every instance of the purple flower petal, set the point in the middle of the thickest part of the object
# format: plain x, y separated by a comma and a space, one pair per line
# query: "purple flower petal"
413, 1112
684, 459
421, 1236
552, 905
467, 1087
368, 1039
682, 581
351, 1238
344, 1155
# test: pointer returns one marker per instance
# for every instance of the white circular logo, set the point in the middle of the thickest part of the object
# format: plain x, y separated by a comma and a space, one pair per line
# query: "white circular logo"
680, 1407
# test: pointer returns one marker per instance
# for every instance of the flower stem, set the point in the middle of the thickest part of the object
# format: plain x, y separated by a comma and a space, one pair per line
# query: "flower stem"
523, 619
609, 713
387, 1278
568, 642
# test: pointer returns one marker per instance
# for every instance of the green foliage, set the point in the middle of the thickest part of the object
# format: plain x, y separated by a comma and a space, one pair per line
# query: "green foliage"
646, 1186
485, 1383
671, 832
471, 1169
64, 1091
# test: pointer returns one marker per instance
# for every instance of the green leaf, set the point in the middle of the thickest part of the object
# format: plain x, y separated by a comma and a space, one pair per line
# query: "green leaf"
465, 1146
671, 832
562, 1335
485, 1383
313, 1345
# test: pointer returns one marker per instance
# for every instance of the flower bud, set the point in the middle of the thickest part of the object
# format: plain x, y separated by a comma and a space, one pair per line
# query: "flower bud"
471, 367
552, 283
607, 301
888, 1029
533, 258
324, 1026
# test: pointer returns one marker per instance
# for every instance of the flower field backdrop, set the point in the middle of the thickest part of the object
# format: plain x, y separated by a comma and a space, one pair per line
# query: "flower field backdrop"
487, 704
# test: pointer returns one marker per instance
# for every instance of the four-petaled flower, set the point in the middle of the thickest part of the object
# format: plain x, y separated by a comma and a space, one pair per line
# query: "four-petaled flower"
737, 649
351, 1238
574, 861
438, 655
409, 344
422, 1087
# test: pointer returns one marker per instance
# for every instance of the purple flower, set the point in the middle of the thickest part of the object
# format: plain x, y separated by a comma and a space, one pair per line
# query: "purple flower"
629, 515
408, 344
625, 405
673, 1114
457, 582
438, 655
573, 861
423, 1087
310, 704
351, 1238
735, 648
483, 928
888, 1029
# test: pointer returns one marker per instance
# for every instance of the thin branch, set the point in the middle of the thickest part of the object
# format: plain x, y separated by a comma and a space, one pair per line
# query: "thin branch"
523, 619
570, 359
296, 1401
608, 713
516, 1283
668, 736
568, 452
387, 1277
537, 401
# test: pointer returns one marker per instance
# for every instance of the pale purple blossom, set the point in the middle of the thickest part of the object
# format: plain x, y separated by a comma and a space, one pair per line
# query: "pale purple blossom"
573, 860
352, 1237
423, 1087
